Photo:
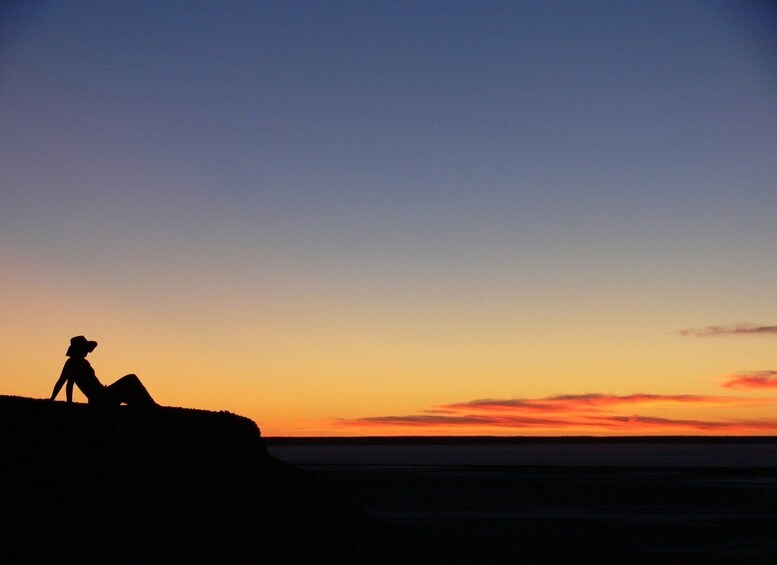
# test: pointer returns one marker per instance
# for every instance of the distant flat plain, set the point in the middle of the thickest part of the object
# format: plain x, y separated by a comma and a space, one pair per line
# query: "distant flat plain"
560, 500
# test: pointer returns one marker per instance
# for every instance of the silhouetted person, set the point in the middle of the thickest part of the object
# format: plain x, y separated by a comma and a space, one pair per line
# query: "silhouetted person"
77, 370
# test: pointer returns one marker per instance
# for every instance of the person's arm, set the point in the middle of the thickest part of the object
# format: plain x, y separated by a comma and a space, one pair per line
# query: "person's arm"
69, 391
60, 382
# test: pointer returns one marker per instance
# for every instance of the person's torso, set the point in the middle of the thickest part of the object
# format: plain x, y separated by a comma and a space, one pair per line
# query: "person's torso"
82, 374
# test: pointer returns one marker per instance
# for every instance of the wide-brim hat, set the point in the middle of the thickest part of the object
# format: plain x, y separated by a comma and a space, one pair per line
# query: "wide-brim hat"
80, 344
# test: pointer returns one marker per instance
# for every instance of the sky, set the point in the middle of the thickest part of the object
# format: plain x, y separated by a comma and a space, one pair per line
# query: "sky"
393, 218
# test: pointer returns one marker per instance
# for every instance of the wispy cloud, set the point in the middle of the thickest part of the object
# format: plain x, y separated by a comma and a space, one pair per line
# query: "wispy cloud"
752, 380
738, 329
570, 414
589, 401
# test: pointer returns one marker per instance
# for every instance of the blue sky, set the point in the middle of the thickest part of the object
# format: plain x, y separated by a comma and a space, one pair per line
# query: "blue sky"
461, 167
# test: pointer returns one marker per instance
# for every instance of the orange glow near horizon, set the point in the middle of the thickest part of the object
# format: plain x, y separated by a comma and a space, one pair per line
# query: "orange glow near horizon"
297, 376
569, 415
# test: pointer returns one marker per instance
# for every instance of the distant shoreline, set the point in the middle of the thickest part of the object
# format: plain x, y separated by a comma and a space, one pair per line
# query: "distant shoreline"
520, 440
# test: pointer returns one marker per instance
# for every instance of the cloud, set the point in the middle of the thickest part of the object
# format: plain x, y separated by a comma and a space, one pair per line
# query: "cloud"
753, 380
447, 421
740, 329
420, 420
590, 401
589, 413
739, 425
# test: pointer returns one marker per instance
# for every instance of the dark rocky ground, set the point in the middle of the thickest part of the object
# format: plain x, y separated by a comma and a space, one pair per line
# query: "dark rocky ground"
81, 485
171, 485
523, 514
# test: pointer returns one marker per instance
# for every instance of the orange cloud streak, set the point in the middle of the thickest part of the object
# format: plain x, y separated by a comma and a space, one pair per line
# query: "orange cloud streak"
584, 413
756, 380
594, 400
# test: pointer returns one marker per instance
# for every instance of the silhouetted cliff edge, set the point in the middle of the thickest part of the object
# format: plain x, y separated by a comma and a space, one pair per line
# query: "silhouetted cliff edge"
87, 485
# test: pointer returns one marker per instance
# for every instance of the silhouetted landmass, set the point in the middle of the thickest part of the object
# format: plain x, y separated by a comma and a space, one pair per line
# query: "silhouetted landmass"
81, 484
506, 515
599, 500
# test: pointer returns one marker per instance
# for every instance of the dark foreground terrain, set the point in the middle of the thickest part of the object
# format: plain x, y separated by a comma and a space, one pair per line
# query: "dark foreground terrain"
505, 515
84, 486
81, 485
560, 500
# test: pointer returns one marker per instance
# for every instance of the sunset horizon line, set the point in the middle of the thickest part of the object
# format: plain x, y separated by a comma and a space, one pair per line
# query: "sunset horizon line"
497, 439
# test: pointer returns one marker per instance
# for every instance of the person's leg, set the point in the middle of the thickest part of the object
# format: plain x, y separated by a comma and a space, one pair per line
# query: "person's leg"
105, 399
131, 391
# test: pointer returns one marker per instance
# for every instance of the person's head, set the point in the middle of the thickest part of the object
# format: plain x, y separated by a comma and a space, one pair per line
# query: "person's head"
80, 346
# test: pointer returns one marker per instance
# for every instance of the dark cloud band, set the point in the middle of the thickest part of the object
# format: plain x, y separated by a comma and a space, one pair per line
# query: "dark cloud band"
739, 329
